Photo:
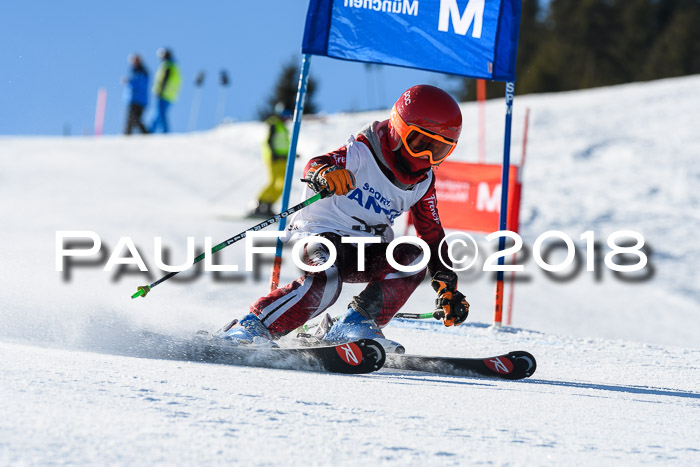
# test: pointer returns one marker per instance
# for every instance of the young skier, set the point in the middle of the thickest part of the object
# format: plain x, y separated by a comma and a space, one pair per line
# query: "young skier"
383, 171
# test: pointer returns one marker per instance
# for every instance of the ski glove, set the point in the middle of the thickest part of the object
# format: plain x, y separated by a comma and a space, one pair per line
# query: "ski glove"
450, 305
332, 178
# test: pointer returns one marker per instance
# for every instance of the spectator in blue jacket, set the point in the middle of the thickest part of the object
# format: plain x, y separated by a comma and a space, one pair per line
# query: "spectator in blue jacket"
136, 94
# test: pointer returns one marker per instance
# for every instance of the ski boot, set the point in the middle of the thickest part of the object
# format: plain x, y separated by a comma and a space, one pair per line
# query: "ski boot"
353, 326
249, 331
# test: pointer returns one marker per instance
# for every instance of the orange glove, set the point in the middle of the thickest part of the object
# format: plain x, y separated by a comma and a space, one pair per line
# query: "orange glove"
450, 305
332, 178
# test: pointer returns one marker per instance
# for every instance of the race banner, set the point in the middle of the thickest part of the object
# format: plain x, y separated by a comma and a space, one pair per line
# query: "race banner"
469, 196
474, 38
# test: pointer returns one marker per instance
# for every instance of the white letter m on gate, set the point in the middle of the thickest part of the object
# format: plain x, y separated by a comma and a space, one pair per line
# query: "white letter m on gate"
473, 13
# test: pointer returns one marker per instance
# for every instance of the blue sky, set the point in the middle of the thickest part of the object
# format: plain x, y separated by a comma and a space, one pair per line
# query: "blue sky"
56, 55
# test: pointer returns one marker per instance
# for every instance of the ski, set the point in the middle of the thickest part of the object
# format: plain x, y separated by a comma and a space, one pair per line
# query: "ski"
358, 357
513, 365
389, 346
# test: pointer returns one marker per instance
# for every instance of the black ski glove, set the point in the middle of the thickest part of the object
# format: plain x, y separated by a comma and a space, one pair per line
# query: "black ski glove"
450, 305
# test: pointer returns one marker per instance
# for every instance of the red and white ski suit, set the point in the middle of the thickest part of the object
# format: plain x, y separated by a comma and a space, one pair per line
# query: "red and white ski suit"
368, 210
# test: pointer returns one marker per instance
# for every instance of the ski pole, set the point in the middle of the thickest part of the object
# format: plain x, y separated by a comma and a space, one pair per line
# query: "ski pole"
144, 289
436, 315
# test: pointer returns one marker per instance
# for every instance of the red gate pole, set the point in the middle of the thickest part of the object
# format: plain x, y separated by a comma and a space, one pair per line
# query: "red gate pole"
481, 109
509, 314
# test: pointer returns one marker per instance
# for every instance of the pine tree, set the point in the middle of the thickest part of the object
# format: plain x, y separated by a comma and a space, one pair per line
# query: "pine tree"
588, 43
676, 50
285, 91
531, 30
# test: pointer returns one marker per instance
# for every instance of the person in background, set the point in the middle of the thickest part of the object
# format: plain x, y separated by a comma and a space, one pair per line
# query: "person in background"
136, 94
166, 87
274, 153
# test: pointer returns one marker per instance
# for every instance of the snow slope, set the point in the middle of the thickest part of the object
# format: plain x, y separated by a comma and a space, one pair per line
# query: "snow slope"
591, 401
617, 377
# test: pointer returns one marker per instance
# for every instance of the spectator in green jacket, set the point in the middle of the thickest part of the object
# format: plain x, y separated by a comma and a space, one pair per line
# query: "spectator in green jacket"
166, 87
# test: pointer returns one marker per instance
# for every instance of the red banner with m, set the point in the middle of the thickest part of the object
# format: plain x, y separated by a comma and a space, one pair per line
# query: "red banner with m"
469, 196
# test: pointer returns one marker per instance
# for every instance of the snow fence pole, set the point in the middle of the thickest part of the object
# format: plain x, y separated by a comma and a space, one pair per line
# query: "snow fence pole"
100, 111
503, 215
291, 156
144, 289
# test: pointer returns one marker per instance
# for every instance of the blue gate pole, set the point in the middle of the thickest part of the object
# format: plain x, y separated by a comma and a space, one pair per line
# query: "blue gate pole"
503, 217
291, 156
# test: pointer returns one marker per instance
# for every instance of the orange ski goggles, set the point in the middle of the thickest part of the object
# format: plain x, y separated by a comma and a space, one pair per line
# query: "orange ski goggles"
419, 142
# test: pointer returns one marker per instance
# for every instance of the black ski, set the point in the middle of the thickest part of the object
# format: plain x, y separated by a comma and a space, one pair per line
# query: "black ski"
361, 356
513, 365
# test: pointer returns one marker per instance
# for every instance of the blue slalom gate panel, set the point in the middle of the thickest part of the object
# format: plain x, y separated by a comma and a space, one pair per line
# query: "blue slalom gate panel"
475, 38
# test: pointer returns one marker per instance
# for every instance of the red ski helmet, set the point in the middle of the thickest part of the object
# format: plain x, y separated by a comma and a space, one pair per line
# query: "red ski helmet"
427, 120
